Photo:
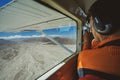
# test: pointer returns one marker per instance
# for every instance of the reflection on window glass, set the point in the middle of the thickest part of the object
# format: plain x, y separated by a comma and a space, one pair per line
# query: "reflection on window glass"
65, 35
32, 44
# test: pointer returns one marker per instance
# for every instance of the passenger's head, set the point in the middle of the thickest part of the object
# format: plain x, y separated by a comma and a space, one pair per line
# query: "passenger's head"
104, 17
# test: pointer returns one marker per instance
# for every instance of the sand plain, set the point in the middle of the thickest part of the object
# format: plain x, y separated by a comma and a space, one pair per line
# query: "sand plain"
28, 59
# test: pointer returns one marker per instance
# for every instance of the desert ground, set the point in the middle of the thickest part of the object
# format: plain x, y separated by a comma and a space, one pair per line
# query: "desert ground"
28, 59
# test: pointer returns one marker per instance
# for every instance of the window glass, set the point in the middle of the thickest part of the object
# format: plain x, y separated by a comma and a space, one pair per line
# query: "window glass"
31, 45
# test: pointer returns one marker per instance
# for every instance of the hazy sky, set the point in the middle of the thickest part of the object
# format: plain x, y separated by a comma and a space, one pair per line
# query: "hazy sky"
64, 31
4, 3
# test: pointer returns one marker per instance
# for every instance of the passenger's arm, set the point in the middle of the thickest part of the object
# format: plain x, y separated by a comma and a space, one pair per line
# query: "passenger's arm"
87, 40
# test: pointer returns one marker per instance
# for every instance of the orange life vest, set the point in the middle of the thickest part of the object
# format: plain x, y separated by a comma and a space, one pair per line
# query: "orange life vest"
103, 59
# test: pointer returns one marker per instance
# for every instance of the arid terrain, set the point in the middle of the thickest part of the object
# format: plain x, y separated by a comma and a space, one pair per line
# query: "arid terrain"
27, 59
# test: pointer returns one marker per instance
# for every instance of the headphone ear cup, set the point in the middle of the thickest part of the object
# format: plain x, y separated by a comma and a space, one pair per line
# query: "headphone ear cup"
100, 28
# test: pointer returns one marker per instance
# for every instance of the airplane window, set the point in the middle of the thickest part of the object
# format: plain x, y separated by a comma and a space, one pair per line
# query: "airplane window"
33, 39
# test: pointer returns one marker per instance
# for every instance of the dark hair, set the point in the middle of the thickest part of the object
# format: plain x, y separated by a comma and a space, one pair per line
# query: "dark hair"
107, 13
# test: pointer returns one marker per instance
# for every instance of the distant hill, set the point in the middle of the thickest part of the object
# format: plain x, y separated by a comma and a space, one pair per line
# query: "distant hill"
44, 39
61, 40
3, 41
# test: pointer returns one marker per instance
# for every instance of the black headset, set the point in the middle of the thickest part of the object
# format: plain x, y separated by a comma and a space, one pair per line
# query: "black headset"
99, 23
100, 27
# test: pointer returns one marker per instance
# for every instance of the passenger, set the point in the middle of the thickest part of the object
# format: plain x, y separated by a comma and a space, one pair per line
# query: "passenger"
100, 59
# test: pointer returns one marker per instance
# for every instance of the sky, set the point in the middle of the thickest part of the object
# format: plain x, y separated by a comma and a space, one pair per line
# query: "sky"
4, 3
23, 34
62, 31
